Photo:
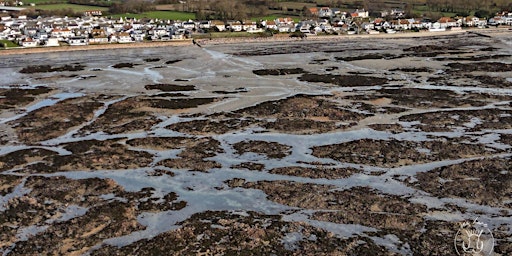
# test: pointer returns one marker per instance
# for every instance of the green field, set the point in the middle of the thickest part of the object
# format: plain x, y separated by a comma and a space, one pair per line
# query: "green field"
164, 15
41, 2
74, 7
7, 44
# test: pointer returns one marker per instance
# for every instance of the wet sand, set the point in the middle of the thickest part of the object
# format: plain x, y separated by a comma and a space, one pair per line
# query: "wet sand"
22, 50
313, 147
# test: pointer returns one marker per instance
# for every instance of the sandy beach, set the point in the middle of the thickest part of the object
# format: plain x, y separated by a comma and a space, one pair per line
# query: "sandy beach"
93, 47
282, 38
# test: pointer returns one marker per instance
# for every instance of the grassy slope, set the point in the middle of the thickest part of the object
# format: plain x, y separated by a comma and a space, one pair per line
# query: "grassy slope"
166, 15
7, 44
75, 7
38, 2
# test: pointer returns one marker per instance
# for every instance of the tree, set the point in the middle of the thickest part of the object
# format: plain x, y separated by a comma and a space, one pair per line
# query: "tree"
482, 14
408, 10
131, 6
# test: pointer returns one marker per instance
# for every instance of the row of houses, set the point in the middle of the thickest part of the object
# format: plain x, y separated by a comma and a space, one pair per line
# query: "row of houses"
53, 31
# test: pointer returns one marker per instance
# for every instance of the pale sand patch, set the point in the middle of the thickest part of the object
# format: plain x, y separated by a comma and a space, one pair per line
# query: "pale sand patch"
94, 47
381, 101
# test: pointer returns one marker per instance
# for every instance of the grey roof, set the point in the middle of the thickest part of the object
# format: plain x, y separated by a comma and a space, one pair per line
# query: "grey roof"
11, 8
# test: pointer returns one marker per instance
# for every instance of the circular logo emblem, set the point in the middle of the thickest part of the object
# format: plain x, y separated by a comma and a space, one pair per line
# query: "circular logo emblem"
474, 238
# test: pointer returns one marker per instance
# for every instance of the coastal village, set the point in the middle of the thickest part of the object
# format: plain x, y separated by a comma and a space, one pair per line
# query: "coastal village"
93, 28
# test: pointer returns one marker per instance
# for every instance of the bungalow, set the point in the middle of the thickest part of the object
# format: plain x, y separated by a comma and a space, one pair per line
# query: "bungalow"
470, 21
367, 26
137, 24
61, 33
118, 25
78, 40
446, 22
284, 21
52, 41
313, 11
163, 38
359, 14
436, 26
30, 30
426, 23
306, 26
42, 34
205, 24
178, 36
325, 12
249, 25
285, 28
235, 26
340, 27
401, 24
73, 25
394, 13
124, 37
189, 25
508, 21
325, 25
416, 24
335, 11
481, 23
220, 25
17, 25
270, 24
93, 13
380, 23
497, 20
29, 42
98, 39
14, 33
160, 31
4, 31
138, 36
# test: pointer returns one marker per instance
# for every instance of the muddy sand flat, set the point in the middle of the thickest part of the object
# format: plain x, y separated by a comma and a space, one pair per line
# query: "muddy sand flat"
313, 147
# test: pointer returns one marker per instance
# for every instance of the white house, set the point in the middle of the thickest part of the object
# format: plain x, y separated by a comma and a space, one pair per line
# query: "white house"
29, 42
446, 22
78, 40
284, 21
508, 21
138, 36
236, 26
284, 28
62, 33
52, 41
98, 39
325, 12
249, 25
124, 38
189, 25
220, 25
360, 14
205, 24
269, 24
